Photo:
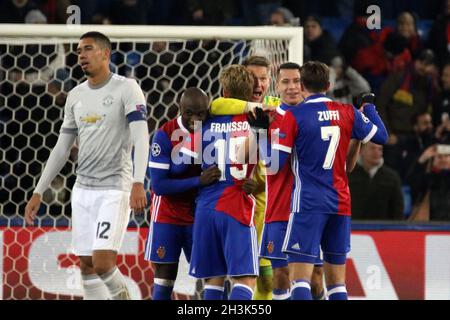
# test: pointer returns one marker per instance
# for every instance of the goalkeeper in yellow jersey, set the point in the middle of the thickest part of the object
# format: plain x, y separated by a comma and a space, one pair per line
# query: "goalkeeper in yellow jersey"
260, 67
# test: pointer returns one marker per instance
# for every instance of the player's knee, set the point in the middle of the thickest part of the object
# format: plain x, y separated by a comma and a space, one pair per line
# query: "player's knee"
166, 271
86, 266
281, 278
103, 267
265, 283
219, 281
317, 281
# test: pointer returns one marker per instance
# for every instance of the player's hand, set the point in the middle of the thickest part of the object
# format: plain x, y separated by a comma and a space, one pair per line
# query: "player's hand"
32, 208
249, 186
258, 119
365, 98
138, 199
429, 153
210, 175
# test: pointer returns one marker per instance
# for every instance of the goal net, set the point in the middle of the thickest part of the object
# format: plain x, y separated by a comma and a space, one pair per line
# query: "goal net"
38, 67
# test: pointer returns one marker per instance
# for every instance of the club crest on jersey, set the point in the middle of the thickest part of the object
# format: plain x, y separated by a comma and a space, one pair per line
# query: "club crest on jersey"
270, 247
108, 100
156, 149
142, 109
161, 252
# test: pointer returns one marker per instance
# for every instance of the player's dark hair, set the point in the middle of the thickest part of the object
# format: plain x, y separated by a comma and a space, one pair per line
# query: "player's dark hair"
98, 37
315, 76
289, 66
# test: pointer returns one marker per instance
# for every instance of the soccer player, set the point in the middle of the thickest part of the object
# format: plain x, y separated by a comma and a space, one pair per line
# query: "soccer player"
224, 236
279, 187
260, 68
173, 194
317, 136
108, 115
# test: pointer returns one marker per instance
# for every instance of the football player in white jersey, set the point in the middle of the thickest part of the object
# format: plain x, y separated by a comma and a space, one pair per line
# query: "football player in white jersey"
107, 113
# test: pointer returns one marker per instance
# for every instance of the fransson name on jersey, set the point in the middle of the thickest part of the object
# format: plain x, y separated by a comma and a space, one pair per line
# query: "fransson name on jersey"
98, 115
229, 127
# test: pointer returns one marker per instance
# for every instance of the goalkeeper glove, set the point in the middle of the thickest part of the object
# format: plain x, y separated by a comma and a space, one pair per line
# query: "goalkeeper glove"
258, 120
364, 98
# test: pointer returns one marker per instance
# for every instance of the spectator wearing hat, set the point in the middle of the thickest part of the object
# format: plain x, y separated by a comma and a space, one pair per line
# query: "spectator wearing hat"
319, 44
403, 95
282, 17
406, 93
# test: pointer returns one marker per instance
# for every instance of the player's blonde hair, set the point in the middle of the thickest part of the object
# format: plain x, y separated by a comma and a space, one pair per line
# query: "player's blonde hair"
259, 61
237, 82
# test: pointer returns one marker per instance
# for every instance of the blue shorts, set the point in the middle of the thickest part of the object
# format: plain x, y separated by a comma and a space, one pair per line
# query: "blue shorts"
307, 233
222, 246
272, 240
272, 243
165, 241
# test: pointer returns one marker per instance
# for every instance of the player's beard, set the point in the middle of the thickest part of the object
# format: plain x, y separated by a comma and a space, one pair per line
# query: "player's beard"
87, 73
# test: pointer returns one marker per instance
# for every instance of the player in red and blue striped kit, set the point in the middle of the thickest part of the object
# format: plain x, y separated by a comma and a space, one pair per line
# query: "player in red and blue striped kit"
279, 186
224, 236
173, 193
316, 135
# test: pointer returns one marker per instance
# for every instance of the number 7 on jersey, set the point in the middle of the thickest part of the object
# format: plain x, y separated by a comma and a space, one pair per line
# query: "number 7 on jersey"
333, 132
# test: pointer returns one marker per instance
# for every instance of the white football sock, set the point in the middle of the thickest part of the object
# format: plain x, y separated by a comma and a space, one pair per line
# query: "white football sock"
94, 288
116, 284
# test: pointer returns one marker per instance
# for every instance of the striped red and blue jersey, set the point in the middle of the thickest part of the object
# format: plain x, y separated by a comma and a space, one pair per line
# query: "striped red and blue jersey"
280, 184
175, 208
317, 135
217, 143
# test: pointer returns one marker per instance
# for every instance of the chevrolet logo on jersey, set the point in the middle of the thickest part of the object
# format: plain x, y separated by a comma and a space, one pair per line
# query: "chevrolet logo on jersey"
91, 119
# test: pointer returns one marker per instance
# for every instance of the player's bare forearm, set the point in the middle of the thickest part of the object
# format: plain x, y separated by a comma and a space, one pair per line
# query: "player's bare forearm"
32, 208
138, 199
353, 155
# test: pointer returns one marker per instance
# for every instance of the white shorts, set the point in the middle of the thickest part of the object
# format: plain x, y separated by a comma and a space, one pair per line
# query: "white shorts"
99, 220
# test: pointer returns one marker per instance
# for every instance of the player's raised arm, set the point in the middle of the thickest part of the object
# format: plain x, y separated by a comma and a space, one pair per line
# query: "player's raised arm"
355, 145
368, 126
228, 106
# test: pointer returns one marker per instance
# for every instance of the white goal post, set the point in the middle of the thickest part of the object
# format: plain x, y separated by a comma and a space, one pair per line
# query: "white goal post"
294, 35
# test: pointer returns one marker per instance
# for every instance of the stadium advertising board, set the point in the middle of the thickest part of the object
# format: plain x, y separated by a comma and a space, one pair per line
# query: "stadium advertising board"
36, 263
